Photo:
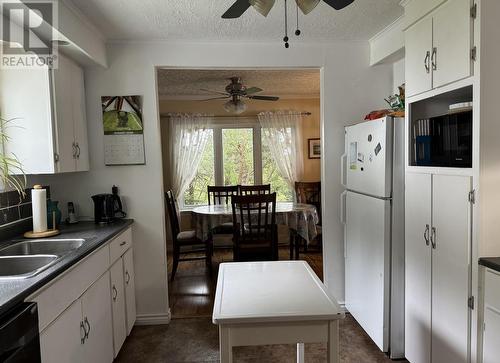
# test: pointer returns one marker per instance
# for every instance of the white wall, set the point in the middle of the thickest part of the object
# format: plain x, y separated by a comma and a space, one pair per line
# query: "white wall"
350, 90
398, 75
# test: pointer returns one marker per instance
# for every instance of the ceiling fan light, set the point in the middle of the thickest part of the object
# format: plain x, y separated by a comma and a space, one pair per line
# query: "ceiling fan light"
262, 6
235, 107
307, 5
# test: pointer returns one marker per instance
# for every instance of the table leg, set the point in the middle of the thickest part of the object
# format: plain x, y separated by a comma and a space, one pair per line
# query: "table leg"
290, 232
225, 348
333, 342
300, 353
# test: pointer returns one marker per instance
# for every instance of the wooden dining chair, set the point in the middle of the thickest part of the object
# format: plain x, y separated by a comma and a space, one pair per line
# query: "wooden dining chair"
184, 241
255, 229
218, 195
307, 193
254, 189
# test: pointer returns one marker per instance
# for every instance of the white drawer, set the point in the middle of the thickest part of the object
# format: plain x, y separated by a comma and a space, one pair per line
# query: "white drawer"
119, 245
492, 289
55, 297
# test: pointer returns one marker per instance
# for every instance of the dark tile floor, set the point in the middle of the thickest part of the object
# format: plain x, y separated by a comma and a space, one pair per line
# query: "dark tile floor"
196, 340
191, 336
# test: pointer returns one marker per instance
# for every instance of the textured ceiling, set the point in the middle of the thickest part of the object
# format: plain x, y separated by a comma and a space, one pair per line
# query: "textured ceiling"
186, 84
201, 20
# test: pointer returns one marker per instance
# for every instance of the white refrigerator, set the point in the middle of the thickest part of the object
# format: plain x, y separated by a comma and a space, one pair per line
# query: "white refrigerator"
372, 211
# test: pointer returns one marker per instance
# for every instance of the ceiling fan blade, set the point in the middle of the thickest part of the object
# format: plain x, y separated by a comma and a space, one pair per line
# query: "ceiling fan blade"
338, 4
264, 98
237, 9
216, 98
252, 90
214, 92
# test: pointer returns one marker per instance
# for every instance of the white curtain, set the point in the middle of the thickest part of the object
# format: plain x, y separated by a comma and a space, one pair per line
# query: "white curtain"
189, 134
281, 131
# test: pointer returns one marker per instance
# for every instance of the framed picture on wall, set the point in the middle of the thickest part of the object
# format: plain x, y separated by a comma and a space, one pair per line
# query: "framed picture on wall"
314, 148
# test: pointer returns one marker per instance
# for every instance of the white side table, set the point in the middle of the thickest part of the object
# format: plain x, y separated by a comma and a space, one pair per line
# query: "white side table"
279, 302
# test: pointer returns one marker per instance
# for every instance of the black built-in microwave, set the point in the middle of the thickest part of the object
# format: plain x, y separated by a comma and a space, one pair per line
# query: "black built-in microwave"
444, 141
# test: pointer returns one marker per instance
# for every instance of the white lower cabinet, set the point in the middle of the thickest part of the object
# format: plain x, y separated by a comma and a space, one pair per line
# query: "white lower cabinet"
437, 272
82, 333
491, 336
128, 273
489, 316
118, 304
96, 308
61, 342
99, 314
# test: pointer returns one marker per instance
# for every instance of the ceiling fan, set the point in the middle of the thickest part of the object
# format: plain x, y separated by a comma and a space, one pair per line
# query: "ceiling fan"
235, 92
264, 6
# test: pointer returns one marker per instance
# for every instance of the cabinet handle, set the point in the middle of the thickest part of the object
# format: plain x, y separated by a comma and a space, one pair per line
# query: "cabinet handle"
74, 150
127, 275
433, 237
78, 151
434, 59
426, 235
115, 293
88, 325
426, 62
82, 328
123, 243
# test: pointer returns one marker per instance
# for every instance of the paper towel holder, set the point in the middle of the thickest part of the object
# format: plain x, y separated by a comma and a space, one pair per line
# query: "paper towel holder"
47, 233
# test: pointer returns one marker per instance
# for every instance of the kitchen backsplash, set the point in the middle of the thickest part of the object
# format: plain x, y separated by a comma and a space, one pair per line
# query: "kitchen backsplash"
13, 208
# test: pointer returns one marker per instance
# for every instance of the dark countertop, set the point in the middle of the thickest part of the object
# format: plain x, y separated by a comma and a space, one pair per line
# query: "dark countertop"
490, 262
14, 291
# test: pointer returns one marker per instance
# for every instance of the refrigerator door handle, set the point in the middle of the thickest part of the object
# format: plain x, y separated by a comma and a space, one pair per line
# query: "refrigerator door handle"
426, 234
343, 173
342, 207
433, 237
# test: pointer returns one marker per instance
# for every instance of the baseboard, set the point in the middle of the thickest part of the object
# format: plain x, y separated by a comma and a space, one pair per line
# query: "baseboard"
153, 319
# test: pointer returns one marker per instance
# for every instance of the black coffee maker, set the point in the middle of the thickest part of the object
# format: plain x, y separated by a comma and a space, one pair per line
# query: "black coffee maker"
108, 207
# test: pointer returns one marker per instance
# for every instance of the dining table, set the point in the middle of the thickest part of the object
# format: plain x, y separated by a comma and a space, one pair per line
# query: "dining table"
299, 217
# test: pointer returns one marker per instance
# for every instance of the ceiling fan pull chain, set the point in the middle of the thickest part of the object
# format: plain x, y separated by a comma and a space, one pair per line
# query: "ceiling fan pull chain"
297, 32
285, 39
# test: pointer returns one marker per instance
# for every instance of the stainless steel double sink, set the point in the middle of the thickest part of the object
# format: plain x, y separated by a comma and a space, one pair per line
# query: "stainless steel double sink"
28, 258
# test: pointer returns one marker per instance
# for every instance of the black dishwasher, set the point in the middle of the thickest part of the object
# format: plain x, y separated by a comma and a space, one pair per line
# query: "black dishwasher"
19, 340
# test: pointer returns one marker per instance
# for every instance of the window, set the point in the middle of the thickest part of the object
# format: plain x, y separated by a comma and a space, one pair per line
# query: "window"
236, 154
196, 193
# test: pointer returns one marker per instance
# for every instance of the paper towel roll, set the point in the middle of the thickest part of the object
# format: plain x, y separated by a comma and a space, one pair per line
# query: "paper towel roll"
39, 205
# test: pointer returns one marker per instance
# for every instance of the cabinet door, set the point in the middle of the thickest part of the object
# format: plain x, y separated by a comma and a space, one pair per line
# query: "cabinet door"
118, 305
451, 219
65, 138
26, 99
128, 273
418, 268
61, 342
491, 336
96, 307
80, 120
418, 44
452, 36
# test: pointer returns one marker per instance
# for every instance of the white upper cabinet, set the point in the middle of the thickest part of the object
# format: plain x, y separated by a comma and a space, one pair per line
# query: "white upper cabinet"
418, 57
438, 47
49, 127
452, 43
25, 96
69, 104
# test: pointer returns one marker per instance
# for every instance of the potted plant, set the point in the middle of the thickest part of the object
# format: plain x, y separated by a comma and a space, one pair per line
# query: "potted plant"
12, 176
